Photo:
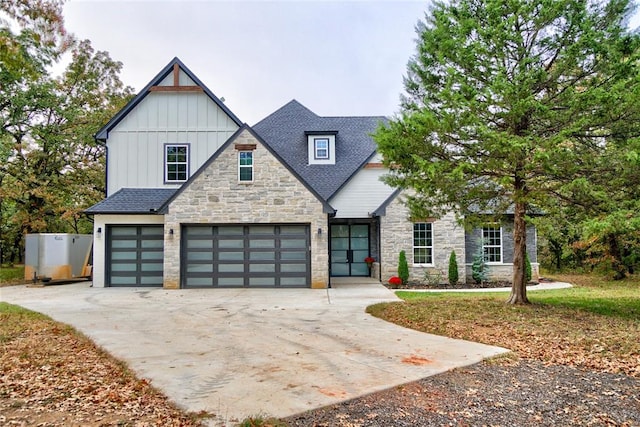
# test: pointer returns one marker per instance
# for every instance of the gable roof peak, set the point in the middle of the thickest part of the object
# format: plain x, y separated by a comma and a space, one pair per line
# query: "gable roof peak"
103, 133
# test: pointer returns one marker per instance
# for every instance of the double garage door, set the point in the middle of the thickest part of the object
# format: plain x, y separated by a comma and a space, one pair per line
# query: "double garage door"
245, 256
212, 256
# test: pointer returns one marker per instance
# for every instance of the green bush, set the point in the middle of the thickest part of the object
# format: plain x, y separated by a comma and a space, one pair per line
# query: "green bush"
479, 267
453, 269
527, 268
403, 268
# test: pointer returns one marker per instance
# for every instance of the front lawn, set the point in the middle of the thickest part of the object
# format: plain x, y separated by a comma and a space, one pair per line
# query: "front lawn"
595, 325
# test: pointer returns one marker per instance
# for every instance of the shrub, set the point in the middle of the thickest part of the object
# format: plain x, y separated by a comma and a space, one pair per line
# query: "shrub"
395, 281
453, 268
527, 268
433, 277
479, 267
403, 268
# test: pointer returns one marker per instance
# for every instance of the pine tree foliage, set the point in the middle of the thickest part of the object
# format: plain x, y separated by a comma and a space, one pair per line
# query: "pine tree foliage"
508, 107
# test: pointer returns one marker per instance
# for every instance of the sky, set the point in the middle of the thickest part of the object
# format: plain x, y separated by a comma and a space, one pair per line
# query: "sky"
338, 58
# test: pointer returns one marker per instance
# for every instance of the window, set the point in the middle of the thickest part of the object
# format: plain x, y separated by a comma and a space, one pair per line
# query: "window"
245, 166
321, 148
492, 244
423, 243
176, 163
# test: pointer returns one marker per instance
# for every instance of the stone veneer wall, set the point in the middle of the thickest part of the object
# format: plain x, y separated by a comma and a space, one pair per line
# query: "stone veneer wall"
274, 197
396, 234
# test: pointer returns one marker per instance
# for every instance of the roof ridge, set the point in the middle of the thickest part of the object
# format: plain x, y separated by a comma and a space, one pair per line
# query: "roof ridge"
354, 117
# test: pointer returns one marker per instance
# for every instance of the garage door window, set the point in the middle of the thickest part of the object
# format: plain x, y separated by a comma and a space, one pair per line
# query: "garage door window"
246, 256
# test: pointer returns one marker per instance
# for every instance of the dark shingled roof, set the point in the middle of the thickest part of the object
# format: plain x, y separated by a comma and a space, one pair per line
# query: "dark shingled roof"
133, 201
284, 130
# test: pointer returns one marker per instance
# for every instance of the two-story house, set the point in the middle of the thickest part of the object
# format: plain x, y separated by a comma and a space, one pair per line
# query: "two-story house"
196, 198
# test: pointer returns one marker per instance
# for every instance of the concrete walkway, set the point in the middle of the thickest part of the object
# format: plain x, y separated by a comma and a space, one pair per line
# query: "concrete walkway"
241, 352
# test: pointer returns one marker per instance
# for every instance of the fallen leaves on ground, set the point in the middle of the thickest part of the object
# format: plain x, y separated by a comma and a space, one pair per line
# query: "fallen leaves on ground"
554, 335
53, 376
518, 393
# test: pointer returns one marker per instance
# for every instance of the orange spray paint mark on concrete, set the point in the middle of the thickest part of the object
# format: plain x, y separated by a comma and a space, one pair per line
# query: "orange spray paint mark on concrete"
416, 360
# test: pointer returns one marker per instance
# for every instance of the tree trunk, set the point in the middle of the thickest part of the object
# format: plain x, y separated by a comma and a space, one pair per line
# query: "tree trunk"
619, 269
519, 286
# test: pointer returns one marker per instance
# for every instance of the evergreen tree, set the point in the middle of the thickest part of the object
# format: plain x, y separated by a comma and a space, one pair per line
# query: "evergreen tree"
510, 106
453, 269
403, 268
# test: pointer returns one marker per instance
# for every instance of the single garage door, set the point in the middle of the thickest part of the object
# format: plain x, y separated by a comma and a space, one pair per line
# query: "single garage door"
246, 256
135, 255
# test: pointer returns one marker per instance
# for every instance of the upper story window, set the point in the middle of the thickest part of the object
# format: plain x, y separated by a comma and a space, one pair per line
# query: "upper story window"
423, 243
492, 244
321, 147
176, 162
245, 166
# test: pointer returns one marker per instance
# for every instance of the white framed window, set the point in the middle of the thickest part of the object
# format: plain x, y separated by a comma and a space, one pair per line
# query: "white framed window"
176, 163
492, 244
423, 243
245, 166
321, 148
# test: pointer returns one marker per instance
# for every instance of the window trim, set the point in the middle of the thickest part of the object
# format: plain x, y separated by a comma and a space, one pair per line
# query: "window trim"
485, 245
414, 247
166, 163
315, 148
240, 167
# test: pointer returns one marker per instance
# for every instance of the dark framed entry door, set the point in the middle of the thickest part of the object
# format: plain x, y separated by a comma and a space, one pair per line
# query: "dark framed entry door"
349, 248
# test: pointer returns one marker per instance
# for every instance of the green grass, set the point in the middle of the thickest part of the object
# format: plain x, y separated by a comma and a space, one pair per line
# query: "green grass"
14, 320
11, 274
590, 293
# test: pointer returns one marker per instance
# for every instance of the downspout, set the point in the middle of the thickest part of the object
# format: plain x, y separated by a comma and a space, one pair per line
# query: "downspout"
379, 233
329, 250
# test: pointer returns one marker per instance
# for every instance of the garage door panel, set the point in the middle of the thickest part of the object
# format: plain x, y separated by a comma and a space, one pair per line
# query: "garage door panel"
262, 256
230, 282
246, 256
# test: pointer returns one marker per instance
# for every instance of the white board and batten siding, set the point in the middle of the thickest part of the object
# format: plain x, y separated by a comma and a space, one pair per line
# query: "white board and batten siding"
136, 144
362, 195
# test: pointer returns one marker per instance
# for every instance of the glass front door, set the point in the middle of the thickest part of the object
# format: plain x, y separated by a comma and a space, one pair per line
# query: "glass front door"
349, 248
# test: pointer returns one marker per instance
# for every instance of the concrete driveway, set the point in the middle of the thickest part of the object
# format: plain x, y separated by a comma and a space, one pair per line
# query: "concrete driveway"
242, 352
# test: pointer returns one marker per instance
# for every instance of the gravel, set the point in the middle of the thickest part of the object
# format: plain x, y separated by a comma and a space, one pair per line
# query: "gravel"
511, 393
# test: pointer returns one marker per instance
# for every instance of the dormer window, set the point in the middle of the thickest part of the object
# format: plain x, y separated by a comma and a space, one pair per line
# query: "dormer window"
322, 147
